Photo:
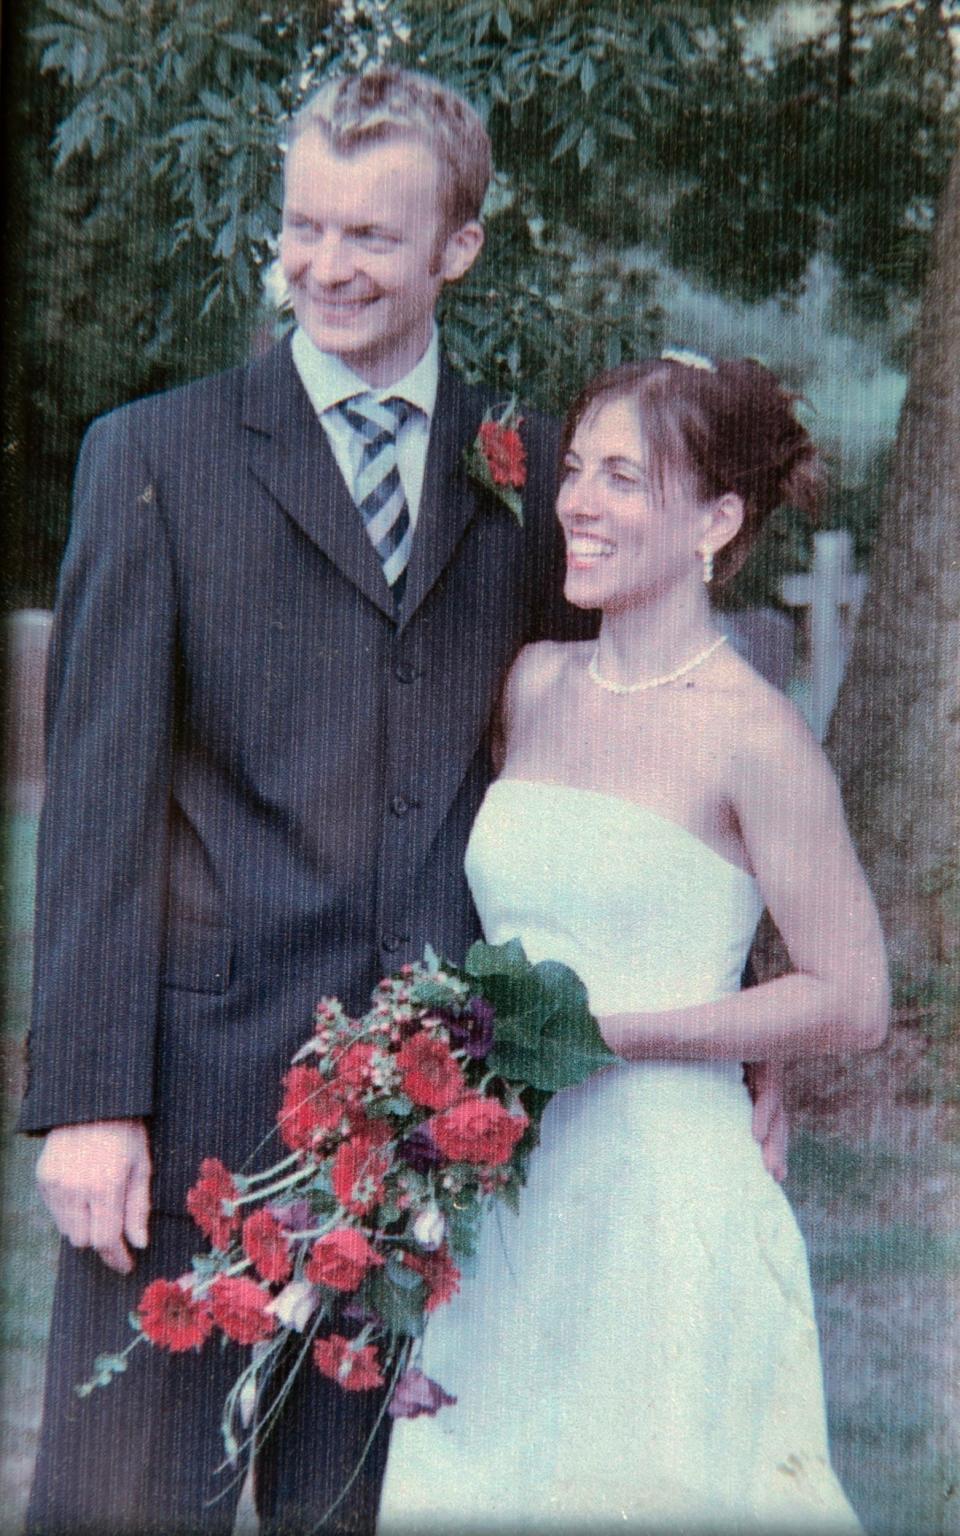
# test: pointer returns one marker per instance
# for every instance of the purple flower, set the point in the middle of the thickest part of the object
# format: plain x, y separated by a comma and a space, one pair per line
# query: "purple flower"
420, 1151
415, 1394
293, 1216
473, 1032
355, 1313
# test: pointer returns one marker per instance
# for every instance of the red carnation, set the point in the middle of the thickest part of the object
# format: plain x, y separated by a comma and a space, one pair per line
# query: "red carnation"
170, 1317
355, 1369
478, 1130
355, 1066
239, 1307
310, 1109
205, 1202
431, 1075
360, 1167
504, 452
440, 1273
340, 1259
266, 1246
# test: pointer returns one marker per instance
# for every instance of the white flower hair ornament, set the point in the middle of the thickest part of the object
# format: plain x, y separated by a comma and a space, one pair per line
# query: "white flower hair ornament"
689, 360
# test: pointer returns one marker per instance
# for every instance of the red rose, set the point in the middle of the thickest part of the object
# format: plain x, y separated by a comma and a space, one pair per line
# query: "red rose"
477, 1130
205, 1202
354, 1067
239, 1307
504, 452
266, 1246
355, 1369
341, 1259
360, 1167
310, 1109
440, 1273
430, 1074
170, 1317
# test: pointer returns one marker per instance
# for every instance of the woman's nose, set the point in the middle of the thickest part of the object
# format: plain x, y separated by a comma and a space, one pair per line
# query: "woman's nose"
574, 501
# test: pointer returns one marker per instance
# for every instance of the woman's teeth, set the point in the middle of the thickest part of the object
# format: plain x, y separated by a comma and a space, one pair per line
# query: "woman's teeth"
590, 548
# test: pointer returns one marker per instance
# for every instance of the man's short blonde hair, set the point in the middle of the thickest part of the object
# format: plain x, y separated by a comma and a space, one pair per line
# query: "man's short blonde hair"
357, 111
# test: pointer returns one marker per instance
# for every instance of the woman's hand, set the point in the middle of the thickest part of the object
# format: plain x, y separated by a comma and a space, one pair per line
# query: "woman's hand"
765, 1081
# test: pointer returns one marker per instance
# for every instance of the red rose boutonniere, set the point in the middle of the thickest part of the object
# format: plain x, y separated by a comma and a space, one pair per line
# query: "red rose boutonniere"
497, 458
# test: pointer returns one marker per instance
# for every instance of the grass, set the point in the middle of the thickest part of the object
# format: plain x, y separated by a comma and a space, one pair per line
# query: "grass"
876, 1187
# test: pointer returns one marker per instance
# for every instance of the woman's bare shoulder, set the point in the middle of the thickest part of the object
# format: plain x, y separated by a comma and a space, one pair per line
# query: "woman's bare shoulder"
543, 663
767, 734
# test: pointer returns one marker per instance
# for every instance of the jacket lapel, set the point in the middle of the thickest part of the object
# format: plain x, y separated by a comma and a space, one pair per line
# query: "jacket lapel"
288, 453
449, 497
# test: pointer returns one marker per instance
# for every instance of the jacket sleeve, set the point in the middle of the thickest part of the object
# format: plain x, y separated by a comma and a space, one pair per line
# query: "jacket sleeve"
103, 832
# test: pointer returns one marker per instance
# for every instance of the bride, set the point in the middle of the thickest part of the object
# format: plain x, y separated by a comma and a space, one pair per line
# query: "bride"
637, 1348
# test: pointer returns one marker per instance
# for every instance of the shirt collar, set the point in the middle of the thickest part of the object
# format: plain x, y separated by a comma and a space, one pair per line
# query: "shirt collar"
328, 380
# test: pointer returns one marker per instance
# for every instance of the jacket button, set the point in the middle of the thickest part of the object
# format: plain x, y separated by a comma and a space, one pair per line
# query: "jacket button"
391, 942
406, 671
400, 805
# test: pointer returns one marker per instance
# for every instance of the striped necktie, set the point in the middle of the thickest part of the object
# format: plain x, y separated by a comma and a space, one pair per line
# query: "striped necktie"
378, 490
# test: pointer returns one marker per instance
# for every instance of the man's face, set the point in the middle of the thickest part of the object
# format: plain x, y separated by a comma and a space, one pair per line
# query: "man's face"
362, 252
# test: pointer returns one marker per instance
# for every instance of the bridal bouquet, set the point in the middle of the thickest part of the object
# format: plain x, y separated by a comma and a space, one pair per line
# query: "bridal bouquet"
399, 1128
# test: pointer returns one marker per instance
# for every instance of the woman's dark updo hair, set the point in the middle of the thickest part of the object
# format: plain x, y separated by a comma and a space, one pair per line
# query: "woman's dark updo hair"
726, 425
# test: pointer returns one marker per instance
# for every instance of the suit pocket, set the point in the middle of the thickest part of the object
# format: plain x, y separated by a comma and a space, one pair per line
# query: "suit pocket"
198, 959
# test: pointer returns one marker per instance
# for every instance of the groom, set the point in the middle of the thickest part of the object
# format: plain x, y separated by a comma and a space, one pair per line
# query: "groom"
284, 617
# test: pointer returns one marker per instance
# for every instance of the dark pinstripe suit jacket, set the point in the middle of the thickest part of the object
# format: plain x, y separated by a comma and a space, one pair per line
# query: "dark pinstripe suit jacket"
260, 785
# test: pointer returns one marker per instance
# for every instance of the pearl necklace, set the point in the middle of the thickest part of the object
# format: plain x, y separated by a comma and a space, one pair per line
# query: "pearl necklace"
651, 682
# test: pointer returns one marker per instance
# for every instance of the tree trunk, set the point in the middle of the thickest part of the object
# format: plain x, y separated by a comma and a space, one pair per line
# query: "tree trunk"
895, 735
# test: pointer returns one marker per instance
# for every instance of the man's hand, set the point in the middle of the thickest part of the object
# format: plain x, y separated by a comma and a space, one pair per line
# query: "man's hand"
765, 1081
95, 1181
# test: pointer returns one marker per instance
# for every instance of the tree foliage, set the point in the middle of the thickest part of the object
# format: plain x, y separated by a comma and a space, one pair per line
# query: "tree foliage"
623, 135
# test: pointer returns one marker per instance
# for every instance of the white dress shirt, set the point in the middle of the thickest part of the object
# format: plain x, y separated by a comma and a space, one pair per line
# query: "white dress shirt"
328, 381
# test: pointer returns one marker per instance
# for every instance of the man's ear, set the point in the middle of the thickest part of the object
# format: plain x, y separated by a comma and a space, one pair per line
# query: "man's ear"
461, 251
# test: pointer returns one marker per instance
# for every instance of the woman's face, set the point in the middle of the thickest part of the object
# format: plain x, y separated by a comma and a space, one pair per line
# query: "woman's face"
628, 537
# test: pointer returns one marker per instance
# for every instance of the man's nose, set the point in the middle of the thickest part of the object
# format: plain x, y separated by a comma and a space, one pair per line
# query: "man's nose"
330, 260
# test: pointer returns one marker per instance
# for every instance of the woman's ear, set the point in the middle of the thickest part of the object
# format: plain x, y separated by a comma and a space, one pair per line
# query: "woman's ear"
722, 522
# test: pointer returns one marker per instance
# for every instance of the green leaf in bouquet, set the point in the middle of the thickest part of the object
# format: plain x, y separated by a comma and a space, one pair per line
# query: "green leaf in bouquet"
105, 1367
397, 1105
206, 1264
401, 1274
431, 993
514, 1062
507, 960
553, 1041
320, 1189
510, 1195
401, 1310
463, 1227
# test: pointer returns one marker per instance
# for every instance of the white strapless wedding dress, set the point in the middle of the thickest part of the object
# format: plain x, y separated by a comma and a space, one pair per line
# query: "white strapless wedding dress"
637, 1349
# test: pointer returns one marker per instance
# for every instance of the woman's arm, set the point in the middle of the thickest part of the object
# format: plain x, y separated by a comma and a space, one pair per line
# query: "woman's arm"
837, 997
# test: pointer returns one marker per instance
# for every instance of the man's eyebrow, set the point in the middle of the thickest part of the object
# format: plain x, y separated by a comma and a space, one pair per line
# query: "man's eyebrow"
375, 228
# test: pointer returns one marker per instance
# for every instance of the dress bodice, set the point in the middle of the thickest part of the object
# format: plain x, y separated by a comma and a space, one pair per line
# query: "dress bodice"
647, 914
